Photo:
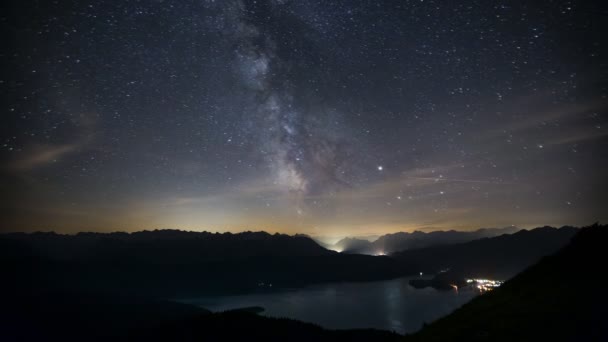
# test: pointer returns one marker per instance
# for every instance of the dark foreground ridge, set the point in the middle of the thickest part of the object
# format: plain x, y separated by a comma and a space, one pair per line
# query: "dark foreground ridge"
95, 317
561, 298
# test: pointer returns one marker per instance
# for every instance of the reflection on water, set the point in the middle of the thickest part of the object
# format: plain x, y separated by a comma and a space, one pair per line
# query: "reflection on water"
390, 305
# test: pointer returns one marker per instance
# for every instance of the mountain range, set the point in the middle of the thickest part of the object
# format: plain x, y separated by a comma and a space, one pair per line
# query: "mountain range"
396, 242
561, 298
177, 263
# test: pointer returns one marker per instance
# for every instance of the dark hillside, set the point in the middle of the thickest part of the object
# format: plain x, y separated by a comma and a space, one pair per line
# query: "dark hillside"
562, 298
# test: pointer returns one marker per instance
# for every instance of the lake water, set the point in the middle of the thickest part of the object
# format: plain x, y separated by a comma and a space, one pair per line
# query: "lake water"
389, 305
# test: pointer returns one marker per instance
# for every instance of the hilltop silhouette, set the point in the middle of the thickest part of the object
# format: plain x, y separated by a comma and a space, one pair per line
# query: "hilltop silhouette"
499, 257
561, 298
396, 242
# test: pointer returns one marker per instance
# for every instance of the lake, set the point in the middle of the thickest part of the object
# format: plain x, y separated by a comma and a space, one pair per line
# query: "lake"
389, 305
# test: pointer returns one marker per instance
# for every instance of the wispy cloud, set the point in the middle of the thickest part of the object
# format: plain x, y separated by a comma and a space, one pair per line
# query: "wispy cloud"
541, 113
39, 155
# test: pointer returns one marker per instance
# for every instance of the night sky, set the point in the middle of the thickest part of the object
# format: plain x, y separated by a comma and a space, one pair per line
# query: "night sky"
319, 117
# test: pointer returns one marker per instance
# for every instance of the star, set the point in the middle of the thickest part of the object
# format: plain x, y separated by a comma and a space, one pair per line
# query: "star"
278, 106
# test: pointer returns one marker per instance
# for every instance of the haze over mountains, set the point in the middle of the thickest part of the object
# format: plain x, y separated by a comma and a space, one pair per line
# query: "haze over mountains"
390, 243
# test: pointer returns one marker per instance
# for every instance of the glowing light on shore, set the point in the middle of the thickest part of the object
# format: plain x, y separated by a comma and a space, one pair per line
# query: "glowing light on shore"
484, 285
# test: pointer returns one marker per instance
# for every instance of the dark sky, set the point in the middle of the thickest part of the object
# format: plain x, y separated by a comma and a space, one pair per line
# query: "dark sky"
320, 117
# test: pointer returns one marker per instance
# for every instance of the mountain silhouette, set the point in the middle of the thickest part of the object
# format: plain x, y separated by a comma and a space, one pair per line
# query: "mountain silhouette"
396, 242
561, 298
172, 263
167, 246
353, 246
498, 257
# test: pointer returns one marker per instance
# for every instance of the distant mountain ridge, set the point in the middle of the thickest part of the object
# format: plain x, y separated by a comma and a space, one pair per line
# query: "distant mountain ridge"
175, 263
169, 262
500, 257
167, 245
396, 242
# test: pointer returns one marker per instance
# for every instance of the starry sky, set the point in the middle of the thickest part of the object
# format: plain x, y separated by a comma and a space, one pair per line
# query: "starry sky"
321, 117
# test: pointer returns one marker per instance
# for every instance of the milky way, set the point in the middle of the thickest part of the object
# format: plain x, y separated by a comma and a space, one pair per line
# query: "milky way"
305, 152
318, 117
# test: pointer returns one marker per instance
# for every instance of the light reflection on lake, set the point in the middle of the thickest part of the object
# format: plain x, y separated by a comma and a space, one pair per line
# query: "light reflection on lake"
390, 305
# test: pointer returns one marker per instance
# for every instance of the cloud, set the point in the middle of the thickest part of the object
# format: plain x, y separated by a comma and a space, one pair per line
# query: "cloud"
40, 155
541, 112
578, 137
36, 154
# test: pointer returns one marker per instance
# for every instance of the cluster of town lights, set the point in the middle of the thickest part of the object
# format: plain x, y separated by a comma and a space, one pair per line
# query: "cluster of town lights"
484, 284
